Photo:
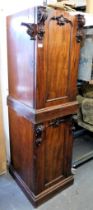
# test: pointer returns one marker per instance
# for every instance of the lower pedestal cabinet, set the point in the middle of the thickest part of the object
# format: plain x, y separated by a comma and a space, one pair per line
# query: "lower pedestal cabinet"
41, 155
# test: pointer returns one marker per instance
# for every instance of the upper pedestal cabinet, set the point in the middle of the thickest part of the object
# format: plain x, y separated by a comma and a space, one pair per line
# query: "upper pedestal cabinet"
43, 57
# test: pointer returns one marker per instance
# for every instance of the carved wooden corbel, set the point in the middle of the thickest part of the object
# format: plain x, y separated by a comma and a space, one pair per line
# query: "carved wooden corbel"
33, 29
80, 32
38, 134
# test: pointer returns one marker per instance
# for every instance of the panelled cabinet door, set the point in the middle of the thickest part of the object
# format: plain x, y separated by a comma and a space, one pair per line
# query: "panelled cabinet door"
59, 55
53, 154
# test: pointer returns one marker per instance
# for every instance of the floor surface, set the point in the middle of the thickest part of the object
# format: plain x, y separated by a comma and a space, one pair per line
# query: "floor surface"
79, 196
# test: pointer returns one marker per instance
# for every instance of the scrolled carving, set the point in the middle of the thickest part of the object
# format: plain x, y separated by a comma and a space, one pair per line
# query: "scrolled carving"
81, 20
61, 20
33, 29
80, 31
55, 123
38, 134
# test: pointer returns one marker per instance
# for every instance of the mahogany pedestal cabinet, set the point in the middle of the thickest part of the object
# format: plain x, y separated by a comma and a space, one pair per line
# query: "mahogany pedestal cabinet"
43, 55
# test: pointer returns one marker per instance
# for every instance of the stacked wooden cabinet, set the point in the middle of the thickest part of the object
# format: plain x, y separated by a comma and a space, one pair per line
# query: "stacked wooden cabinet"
43, 56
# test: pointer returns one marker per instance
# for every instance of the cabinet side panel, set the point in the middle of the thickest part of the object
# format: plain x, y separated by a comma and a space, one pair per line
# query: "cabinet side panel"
21, 57
68, 146
74, 61
21, 142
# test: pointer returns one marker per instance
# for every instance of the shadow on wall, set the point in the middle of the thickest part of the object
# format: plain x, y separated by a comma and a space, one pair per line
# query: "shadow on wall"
2, 142
4, 83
